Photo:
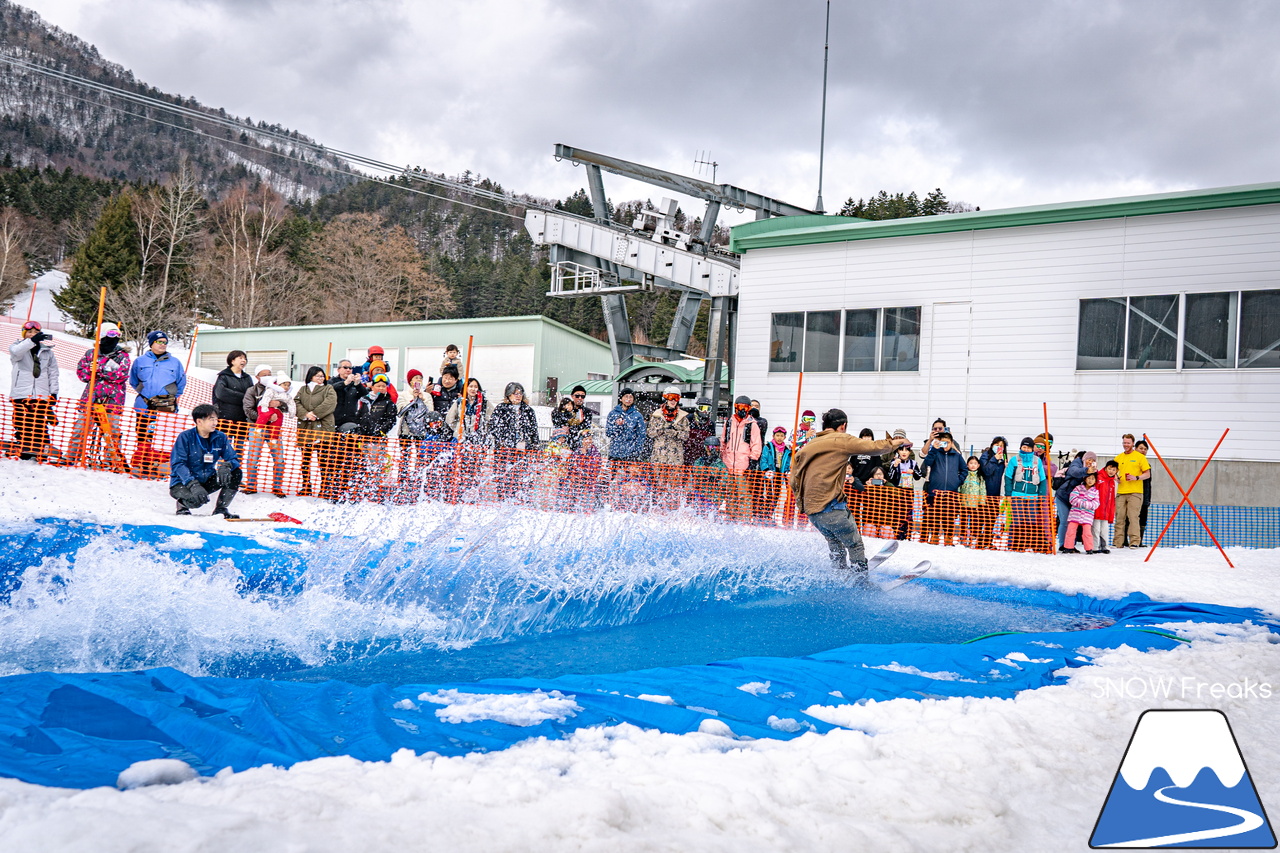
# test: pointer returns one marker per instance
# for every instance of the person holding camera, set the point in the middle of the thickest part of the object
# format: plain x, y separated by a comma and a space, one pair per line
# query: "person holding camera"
159, 380
33, 389
203, 461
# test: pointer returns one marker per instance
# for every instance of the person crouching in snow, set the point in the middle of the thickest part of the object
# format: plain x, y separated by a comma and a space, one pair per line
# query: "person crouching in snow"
203, 461
1084, 502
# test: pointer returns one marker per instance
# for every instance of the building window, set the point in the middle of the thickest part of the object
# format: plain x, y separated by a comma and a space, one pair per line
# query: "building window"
1101, 341
861, 334
1210, 324
1192, 331
1260, 328
822, 342
786, 342
901, 339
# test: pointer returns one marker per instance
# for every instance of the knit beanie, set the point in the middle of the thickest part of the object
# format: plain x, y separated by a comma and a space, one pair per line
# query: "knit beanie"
412, 374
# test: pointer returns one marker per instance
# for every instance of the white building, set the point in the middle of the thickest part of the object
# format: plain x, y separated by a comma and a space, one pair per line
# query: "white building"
1156, 314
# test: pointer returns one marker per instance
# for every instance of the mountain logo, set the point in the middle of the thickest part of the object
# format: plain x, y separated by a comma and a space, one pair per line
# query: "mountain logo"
1183, 783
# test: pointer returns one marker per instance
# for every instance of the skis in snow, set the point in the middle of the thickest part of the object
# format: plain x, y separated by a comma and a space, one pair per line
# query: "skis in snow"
881, 556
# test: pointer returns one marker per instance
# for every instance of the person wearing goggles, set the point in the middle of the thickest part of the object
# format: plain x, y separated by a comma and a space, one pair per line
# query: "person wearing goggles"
33, 389
109, 384
807, 428
741, 445
668, 429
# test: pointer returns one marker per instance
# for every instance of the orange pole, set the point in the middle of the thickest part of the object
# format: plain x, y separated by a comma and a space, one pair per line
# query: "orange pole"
1186, 497
462, 417
1051, 509
32, 304
93, 378
466, 377
328, 360
192, 351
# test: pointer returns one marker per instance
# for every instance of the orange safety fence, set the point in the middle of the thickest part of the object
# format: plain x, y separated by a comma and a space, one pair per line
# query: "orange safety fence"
286, 460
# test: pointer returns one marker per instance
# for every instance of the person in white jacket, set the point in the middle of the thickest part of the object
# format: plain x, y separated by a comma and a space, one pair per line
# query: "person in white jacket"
33, 389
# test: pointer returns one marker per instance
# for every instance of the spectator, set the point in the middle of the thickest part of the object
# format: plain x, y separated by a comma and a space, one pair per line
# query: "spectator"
159, 380
1143, 448
625, 429
276, 402
1025, 480
33, 390
864, 463
377, 413
349, 390
577, 419
1105, 515
414, 425
947, 470
262, 377
375, 355
1086, 462
448, 389
741, 446
1044, 442
973, 494
228, 398
806, 431
700, 427
668, 429
903, 471
582, 481
763, 424
992, 464
452, 358
1084, 501
935, 435
314, 405
108, 390
470, 418
817, 476
203, 461
514, 429
1134, 469
709, 481
775, 465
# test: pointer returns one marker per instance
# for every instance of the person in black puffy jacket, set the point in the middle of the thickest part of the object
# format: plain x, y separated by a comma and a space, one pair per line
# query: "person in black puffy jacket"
376, 415
947, 470
228, 398
513, 427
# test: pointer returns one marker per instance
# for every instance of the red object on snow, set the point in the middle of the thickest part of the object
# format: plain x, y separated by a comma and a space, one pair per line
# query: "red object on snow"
282, 518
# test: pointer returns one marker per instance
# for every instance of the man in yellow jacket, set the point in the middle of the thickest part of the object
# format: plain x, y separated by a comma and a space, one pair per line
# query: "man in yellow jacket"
817, 478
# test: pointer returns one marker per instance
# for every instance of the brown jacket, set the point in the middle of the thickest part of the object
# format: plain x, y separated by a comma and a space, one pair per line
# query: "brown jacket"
817, 472
322, 402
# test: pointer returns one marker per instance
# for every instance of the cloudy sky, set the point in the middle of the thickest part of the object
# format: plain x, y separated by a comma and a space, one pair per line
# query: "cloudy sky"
998, 102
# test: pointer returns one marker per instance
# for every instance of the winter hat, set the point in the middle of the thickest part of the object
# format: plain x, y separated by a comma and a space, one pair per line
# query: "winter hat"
1089, 454
779, 429
808, 413
624, 392
412, 374
157, 335
899, 433
282, 378
1027, 442
711, 441
109, 330
742, 400
257, 371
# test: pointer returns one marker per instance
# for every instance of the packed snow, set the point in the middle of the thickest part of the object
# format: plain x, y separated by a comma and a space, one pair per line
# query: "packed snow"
1028, 773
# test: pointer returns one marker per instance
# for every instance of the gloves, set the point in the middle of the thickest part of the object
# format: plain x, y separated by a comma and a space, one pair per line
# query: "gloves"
753, 464
223, 473
197, 495
38, 337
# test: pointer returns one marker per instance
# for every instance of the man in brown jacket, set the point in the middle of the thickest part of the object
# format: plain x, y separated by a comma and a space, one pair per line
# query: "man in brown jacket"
817, 477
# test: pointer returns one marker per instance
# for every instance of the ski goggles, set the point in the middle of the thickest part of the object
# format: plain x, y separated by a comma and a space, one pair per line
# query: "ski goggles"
807, 419
111, 333
380, 377
30, 325
671, 396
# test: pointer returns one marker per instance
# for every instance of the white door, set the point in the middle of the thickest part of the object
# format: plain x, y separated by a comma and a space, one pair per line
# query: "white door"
948, 377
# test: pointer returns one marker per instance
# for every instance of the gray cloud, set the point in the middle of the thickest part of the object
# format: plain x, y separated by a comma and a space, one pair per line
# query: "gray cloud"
999, 102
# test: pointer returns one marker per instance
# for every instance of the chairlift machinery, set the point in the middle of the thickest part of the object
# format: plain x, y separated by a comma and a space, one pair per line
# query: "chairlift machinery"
599, 257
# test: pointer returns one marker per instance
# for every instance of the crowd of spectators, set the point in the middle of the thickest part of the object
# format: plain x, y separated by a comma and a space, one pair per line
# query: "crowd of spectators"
344, 426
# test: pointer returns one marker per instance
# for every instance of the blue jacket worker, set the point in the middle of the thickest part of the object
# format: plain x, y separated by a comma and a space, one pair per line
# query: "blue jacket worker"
203, 461
947, 466
625, 429
157, 377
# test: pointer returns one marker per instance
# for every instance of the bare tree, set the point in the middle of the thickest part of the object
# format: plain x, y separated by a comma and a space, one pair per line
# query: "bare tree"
13, 264
370, 272
243, 277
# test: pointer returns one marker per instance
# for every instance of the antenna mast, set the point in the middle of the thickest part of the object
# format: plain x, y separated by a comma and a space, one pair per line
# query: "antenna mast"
822, 140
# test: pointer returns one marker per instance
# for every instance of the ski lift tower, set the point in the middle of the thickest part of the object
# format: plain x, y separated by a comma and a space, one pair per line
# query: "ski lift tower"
599, 257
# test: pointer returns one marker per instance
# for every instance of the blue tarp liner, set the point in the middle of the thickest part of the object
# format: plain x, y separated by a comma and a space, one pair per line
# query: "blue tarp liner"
82, 730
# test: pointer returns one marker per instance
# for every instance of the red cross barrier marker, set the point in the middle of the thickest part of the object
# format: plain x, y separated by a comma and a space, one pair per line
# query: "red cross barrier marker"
1186, 498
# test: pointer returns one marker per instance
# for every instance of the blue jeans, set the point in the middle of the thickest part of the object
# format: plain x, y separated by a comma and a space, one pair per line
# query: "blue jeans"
1064, 509
843, 539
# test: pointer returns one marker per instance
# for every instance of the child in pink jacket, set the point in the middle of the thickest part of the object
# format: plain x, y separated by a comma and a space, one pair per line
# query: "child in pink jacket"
1084, 502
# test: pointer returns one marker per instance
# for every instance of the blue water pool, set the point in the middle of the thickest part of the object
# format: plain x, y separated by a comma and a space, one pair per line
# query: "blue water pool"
473, 632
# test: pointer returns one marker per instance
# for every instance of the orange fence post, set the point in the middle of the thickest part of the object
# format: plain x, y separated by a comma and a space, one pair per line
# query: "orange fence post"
328, 360
31, 304
1186, 497
93, 378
